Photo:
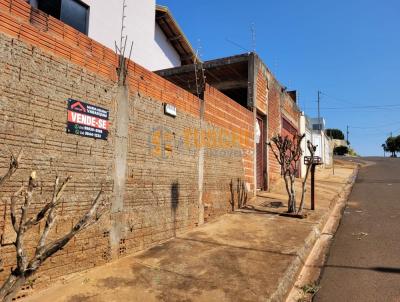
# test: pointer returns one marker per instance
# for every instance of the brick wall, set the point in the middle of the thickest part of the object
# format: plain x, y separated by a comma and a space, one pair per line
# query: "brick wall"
262, 92
45, 62
231, 151
274, 101
34, 87
274, 127
20, 20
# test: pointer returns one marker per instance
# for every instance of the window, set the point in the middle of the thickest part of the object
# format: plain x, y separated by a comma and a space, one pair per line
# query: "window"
75, 14
317, 127
52, 8
72, 12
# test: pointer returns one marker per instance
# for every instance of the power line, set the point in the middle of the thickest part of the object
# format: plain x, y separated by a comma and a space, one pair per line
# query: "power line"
340, 100
388, 106
355, 105
237, 45
372, 132
370, 106
375, 127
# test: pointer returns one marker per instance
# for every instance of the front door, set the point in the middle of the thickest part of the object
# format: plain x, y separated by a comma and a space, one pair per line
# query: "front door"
260, 156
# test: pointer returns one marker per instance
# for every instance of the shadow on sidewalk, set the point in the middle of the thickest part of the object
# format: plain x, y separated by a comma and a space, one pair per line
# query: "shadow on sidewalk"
380, 269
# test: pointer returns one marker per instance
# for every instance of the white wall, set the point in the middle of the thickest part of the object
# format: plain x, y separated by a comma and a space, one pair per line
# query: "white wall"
328, 151
317, 141
150, 49
323, 147
166, 55
308, 137
302, 128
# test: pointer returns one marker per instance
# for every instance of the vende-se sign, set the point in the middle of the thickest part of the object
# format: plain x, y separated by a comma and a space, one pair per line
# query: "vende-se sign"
87, 120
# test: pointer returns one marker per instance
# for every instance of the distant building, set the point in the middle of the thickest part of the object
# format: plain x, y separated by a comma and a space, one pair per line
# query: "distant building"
306, 129
317, 124
246, 79
158, 40
314, 130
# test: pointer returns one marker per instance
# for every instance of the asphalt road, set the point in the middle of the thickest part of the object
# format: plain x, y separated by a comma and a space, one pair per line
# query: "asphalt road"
364, 259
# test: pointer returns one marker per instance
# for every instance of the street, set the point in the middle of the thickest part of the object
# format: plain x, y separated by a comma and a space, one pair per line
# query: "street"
364, 260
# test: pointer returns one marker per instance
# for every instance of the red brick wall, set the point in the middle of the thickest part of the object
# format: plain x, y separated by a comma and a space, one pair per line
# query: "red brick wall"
230, 151
262, 88
274, 128
220, 110
272, 99
55, 37
46, 62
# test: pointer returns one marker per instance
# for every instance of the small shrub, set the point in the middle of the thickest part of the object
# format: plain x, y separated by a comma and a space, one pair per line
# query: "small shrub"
341, 150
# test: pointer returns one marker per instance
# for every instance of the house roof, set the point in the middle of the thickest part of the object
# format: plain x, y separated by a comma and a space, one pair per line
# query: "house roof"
230, 75
175, 34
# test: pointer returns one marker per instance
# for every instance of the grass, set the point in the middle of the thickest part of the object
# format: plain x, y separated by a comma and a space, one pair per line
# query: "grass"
311, 289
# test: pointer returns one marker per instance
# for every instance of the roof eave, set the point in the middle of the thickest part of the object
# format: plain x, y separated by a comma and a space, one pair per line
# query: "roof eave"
190, 54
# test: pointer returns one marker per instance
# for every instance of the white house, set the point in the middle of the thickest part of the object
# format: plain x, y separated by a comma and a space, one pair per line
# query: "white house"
305, 128
321, 140
159, 43
314, 131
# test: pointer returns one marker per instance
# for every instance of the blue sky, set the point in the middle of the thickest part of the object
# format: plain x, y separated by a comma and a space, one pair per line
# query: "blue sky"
350, 50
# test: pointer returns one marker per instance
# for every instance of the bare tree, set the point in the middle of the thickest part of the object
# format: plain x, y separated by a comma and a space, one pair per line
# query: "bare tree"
311, 148
21, 223
288, 153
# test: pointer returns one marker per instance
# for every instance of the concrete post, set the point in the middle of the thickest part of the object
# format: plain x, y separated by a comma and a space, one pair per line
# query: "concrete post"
120, 161
201, 166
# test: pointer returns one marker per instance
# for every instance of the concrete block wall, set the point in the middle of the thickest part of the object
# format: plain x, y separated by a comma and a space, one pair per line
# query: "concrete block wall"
44, 64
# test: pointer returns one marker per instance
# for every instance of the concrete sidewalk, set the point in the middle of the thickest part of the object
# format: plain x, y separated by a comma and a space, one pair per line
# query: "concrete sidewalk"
250, 255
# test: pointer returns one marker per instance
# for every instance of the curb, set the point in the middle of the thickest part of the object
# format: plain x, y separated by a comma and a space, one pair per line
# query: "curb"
307, 265
312, 266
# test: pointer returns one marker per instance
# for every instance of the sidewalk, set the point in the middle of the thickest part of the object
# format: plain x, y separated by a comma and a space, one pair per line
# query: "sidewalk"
251, 255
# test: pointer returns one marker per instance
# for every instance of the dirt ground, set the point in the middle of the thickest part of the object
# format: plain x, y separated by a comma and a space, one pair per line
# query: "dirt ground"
253, 254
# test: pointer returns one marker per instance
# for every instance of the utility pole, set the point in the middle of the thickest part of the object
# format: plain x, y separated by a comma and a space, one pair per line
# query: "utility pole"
319, 113
321, 136
331, 146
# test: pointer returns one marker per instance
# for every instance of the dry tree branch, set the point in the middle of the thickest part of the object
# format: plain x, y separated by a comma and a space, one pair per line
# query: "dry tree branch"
311, 148
288, 152
14, 164
44, 251
25, 267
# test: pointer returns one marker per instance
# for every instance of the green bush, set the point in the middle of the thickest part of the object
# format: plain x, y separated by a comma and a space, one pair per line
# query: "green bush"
392, 145
341, 150
335, 133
